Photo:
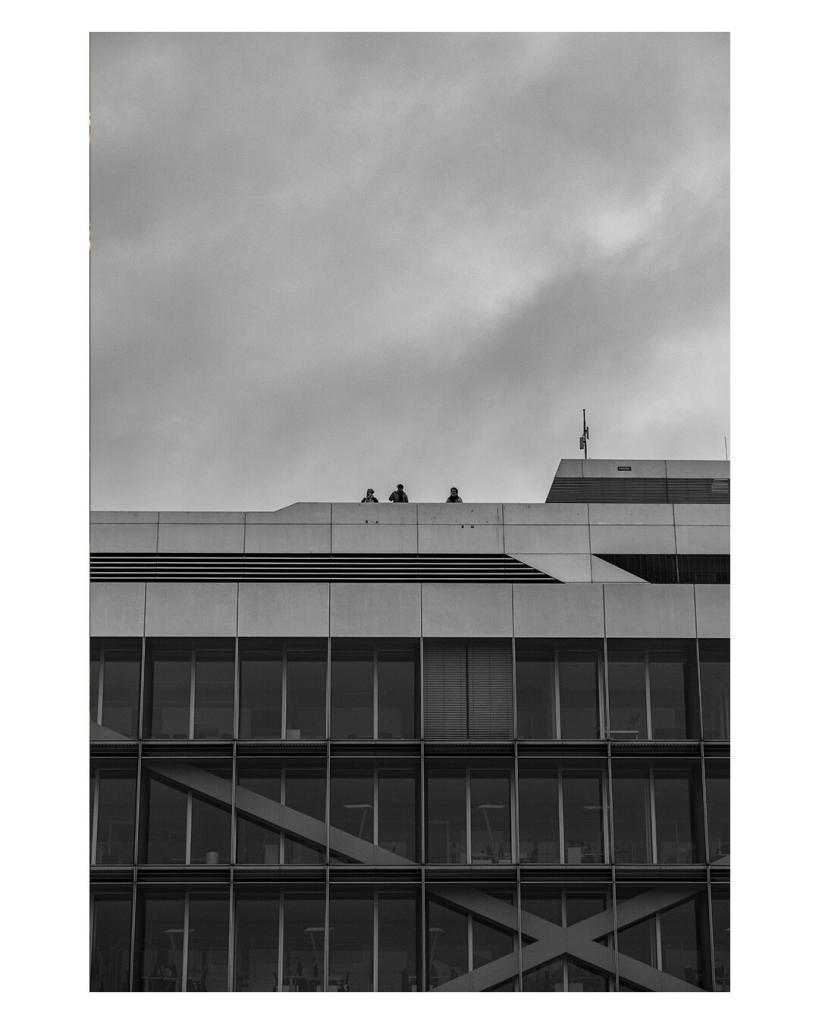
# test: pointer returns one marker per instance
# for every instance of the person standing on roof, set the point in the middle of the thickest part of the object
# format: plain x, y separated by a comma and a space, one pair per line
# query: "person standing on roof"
399, 494
453, 495
370, 496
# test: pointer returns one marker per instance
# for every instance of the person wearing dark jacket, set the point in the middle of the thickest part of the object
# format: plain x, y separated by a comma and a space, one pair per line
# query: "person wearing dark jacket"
453, 495
370, 496
399, 494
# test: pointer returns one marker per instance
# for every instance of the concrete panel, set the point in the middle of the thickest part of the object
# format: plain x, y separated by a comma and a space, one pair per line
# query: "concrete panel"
213, 518
656, 610
198, 537
607, 468
191, 609
123, 537
630, 515
574, 610
284, 609
434, 513
547, 540
117, 609
702, 515
375, 609
605, 572
384, 512
469, 609
300, 512
713, 609
465, 539
396, 539
703, 540
280, 537
553, 514
124, 517
570, 467
688, 469
633, 540
566, 568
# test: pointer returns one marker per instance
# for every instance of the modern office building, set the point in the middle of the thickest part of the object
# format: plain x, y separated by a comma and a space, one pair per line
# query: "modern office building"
412, 747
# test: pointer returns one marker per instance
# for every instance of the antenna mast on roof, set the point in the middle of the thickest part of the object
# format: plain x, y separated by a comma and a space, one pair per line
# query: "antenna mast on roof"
584, 438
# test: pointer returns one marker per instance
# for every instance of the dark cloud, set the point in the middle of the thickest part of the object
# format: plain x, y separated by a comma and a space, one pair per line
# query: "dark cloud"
326, 262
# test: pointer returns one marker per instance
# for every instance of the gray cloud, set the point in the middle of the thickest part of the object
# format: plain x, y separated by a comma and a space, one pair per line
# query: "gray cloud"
327, 262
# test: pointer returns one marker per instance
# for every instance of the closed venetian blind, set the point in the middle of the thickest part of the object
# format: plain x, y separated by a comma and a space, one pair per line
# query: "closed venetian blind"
490, 690
444, 690
467, 690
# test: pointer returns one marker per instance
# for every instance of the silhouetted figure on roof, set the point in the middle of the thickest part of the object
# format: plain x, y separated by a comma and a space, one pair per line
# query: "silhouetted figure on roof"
399, 494
453, 495
370, 496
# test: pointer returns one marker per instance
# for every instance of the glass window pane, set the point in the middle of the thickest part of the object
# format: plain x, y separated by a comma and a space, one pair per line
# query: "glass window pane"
351, 943
256, 942
115, 823
718, 790
581, 906
721, 919
306, 690
489, 943
351, 695
627, 695
208, 944
675, 818
210, 833
632, 834
535, 680
167, 698
584, 979
397, 812
260, 695
491, 829
213, 711
165, 823
305, 792
668, 684
397, 943
544, 903
397, 687
582, 818
257, 843
715, 673
639, 941
159, 960
351, 803
546, 978
446, 819
95, 684
303, 959
120, 691
579, 715
447, 944
538, 816
680, 942
111, 944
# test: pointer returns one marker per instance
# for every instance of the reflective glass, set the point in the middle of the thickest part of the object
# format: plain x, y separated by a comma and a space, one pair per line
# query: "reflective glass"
397, 717
675, 819
256, 942
351, 943
305, 792
680, 942
535, 681
397, 814
159, 960
668, 686
260, 694
303, 955
167, 698
447, 944
632, 815
446, 819
351, 803
715, 671
111, 944
627, 695
579, 712
582, 818
306, 690
351, 695
165, 823
718, 791
213, 710
120, 691
115, 817
721, 920
538, 816
491, 829
208, 943
397, 942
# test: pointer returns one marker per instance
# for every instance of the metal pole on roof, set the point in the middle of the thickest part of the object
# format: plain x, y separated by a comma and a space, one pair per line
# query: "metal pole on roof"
584, 437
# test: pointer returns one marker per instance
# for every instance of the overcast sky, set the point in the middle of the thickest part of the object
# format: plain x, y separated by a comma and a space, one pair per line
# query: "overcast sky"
322, 263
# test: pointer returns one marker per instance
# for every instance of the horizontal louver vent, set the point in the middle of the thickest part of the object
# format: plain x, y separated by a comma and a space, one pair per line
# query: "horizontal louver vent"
467, 690
641, 490
675, 568
444, 691
319, 568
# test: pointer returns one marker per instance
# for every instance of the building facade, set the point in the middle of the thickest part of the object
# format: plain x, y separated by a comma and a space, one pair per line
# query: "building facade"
449, 747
